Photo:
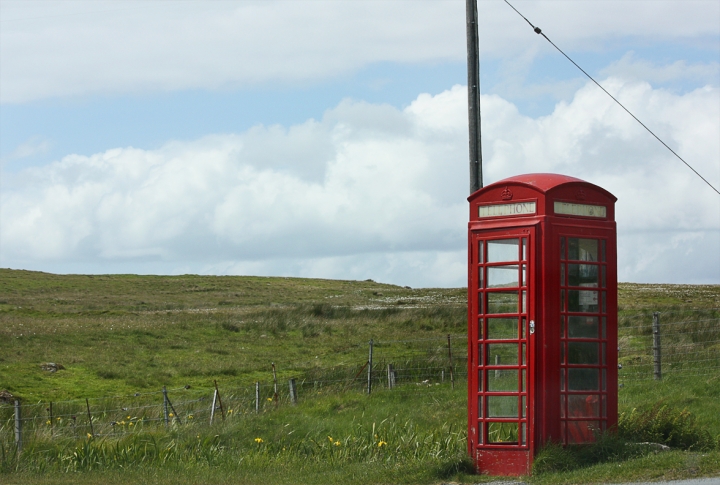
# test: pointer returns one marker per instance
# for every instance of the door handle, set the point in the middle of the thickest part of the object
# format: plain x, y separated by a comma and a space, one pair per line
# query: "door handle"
532, 327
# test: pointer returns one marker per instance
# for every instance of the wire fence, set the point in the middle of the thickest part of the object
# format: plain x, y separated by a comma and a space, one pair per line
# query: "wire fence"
677, 343
652, 345
403, 365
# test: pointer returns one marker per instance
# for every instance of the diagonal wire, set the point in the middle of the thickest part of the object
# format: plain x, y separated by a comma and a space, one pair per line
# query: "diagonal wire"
537, 30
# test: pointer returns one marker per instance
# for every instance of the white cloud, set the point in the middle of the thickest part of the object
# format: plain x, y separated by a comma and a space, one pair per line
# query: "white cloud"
50, 48
631, 67
33, 146
371, 191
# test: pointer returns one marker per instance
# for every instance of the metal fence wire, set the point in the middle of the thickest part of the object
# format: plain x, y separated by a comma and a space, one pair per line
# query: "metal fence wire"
652, 345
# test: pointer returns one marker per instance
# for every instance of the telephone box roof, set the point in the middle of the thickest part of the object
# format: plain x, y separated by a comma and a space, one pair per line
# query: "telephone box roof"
542, 182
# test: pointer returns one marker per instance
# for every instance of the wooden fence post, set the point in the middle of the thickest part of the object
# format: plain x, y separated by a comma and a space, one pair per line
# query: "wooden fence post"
391, 376
18, 426
452, 374
165, 406
657, 364
222, 410
370, 364
293, 391
275, 392
212, 408
257, 397
87, 404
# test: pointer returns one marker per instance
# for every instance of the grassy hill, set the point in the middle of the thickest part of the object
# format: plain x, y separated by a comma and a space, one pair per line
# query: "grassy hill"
117, 335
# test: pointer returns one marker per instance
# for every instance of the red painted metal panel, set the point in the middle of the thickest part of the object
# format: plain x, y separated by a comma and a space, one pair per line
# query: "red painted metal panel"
567, 386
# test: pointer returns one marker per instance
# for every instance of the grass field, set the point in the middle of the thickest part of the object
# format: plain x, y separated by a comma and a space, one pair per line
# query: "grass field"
118, 335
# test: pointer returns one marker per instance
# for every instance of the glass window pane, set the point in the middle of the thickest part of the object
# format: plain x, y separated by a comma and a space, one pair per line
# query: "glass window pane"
562, 406
583, 275
502, 250
480, 251
602, 250
523, 323
582, 301
503, 302
524, 249
502, 406
481, 282
523, 439
582, 249
502, 380
583, 379
603, 283
562, 248
481, 301
480, 407
502, 328
562, 379
502, 354
480, 355
584, 406
480, 382
502, 433
583, 327
502, 276
583, 353
562, 274
523, 276
562, 327
582, 431
480, 329
523, 407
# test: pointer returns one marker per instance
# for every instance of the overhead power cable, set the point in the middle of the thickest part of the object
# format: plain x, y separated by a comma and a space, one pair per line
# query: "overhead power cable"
538, 31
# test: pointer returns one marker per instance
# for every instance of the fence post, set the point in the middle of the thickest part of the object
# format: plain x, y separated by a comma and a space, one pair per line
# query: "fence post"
293, 391
656, 346
391, 376
165, 406
212, 409
452, 374
87, 403
275, 393
257, 397
370, 364
222, 409
18, 426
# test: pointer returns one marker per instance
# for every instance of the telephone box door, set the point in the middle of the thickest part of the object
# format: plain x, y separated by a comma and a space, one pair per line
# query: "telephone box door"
502, 338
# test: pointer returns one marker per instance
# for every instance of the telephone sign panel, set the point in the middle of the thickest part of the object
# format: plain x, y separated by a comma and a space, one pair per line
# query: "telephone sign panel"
542, 318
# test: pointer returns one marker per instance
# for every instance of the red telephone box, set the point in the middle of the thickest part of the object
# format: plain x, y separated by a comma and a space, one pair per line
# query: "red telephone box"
542, 318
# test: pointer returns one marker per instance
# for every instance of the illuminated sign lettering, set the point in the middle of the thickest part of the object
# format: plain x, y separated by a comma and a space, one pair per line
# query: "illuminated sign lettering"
498, 210
580, 209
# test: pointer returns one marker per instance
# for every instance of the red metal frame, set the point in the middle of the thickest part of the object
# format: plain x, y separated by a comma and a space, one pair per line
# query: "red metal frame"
566, 387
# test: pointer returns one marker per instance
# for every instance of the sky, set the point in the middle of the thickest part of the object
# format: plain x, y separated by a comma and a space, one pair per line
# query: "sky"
329, 139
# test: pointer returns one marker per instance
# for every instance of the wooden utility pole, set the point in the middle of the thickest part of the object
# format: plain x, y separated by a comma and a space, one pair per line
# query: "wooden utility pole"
473, 60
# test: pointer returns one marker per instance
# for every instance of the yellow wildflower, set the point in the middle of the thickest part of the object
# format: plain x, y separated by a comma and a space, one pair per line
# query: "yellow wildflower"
130, 424
258, 440
48, 422
89, 435
330, 438
171, 415
269, 399
382, 443
337, 443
